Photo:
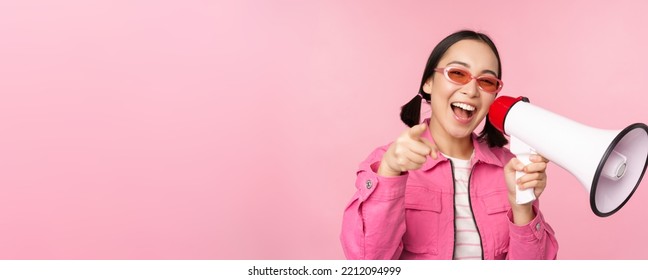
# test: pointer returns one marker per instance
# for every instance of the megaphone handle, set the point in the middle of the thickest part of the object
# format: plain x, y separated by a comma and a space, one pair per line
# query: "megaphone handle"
522, 151
527, 195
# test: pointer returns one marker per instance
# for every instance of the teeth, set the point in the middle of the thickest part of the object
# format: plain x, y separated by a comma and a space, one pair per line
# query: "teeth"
464, 106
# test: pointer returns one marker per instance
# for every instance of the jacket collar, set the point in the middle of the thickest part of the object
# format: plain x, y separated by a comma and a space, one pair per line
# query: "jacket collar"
482, 153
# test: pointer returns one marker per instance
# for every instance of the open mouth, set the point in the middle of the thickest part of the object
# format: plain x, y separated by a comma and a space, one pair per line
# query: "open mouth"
463, 112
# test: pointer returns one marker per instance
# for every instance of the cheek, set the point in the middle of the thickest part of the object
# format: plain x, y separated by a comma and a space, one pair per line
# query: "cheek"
437, 106
440, 96
439, 101
487, 101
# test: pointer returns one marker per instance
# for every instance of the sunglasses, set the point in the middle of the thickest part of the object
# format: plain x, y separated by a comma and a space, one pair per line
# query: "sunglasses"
461, 76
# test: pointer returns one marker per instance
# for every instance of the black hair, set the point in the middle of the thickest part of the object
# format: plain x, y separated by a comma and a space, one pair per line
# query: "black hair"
410, 112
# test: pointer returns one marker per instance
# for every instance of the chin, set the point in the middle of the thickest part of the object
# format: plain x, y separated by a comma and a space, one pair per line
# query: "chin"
457, 132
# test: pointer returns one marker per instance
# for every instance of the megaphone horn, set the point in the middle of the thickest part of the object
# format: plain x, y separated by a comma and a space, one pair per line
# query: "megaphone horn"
608, 163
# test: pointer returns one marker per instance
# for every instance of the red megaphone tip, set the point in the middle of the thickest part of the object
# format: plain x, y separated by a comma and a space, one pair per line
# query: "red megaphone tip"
500, 108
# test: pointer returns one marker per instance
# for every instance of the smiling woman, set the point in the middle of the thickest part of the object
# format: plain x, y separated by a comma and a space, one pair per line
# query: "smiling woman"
439, 191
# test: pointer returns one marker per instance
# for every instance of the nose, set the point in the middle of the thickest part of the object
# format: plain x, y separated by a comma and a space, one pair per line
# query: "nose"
471, 89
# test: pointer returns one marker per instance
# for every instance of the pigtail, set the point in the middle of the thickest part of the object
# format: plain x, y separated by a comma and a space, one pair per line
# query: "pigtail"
411, 112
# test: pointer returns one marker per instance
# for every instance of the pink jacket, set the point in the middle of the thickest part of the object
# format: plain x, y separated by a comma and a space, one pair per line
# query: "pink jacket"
412, 216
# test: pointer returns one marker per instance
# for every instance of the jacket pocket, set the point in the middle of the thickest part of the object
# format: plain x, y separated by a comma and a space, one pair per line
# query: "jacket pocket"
496, 205
422, 210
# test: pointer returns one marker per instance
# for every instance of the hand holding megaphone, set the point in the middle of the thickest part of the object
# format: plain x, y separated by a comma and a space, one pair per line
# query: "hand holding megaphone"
408, 152
526, 178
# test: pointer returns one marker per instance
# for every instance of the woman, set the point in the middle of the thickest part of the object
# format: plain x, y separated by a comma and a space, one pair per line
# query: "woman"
413, 202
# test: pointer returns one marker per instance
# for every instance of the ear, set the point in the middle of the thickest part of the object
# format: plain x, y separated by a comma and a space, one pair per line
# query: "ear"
427, 86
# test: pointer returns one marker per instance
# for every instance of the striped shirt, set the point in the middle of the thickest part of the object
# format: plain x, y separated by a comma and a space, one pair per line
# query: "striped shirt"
467, 241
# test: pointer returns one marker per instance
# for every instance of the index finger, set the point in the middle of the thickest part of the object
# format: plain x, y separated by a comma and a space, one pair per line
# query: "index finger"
432, 146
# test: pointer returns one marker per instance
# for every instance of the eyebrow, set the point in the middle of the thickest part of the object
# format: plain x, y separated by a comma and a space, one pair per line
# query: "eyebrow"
468, 66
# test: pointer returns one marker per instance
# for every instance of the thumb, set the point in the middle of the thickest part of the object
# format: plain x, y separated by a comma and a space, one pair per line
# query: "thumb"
513, 165
433, 148
509, 172
416, 131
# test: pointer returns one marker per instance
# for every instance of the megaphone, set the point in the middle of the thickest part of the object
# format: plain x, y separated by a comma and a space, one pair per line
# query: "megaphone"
608, 163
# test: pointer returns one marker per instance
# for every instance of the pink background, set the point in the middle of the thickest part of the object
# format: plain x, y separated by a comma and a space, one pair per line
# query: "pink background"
232, 130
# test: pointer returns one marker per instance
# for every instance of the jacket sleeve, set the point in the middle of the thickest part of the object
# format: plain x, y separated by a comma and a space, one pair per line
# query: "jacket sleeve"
533, 241
374, 220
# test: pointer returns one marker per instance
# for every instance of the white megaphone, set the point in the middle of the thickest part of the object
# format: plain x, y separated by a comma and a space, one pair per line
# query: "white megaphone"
608, 163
